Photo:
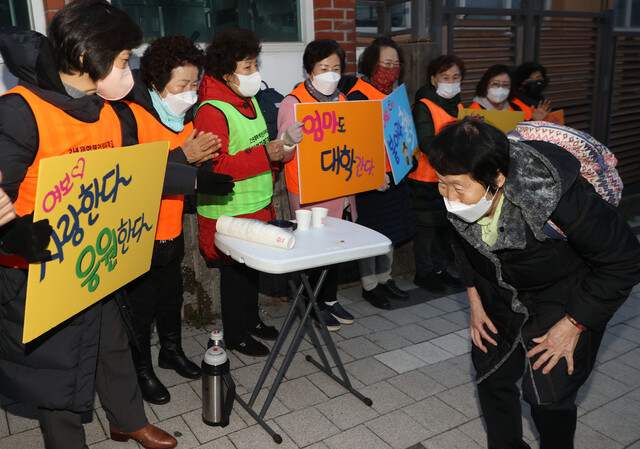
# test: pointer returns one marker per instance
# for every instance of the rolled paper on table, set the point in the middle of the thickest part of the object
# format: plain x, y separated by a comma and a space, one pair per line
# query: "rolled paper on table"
255, 231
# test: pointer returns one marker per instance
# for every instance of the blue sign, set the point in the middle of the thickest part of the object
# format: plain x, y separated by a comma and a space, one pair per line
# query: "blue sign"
400, 135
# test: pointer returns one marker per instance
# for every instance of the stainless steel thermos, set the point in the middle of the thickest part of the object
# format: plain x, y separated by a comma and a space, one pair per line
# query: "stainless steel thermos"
218, 388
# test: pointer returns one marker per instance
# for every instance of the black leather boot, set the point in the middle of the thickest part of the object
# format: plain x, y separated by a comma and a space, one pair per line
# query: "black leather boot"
171, 353
150, 386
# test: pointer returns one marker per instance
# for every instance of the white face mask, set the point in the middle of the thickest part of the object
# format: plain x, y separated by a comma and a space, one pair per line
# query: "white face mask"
249, 85
497, 94
326, 83
470, 212
180, 103
448, 90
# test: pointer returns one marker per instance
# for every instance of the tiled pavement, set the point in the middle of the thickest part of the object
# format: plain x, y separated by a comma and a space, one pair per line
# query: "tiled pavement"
413, 362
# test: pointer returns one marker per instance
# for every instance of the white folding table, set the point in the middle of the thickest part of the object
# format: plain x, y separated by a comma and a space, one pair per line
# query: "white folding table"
338, 241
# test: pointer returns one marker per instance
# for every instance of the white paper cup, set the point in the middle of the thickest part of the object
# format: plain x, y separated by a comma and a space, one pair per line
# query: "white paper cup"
303, 218
318, 216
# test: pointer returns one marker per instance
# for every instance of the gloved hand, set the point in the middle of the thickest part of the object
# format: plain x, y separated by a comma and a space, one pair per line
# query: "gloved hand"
293, 134
386, 185
27, 239
212, 183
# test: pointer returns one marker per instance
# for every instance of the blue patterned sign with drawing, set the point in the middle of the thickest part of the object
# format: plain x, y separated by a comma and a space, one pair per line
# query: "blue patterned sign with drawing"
400, 135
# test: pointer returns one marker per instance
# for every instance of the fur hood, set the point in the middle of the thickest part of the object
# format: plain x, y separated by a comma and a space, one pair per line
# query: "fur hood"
539, 174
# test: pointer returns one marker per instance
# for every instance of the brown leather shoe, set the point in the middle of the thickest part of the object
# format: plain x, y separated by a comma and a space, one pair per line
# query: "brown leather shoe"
150, 437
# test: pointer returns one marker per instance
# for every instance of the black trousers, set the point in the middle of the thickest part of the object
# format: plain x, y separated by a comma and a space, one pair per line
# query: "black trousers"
432, 249
239, 288
157, 294
500, 403
116, 384
329, 290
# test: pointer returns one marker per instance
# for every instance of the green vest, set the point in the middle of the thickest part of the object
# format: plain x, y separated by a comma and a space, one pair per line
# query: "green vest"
251, 194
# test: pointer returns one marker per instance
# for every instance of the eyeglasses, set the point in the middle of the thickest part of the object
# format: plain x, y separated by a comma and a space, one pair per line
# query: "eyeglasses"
506, 85
390, 64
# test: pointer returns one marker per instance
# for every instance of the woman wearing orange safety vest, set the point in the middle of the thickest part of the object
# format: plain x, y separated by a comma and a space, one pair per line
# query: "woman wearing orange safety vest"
529, 80
161, 103
388, 209
324, 62
437, 104
493, 91
58, 108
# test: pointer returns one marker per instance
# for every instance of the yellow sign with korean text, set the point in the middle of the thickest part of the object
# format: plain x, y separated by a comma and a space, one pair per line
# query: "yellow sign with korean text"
342, 150
505, 121
103, 206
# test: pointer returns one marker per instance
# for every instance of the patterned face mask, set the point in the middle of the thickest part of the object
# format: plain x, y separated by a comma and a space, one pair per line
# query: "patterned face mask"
383, 78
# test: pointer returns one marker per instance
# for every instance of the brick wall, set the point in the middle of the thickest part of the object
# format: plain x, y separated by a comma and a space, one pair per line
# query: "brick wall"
336, 19
51, 7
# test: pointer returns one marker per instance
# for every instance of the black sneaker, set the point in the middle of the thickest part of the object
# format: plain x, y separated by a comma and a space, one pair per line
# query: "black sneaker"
330, 321
449, 280
340, 314
249, 346
391, 289
430, 282
264, 332
377, 297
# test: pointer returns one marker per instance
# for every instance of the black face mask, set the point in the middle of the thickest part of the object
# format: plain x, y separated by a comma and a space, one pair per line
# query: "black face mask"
534, 89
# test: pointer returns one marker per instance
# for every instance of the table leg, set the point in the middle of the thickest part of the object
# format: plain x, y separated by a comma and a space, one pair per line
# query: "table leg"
312, 333
276, 437
299, 309
284, 331
324, 367
297, 337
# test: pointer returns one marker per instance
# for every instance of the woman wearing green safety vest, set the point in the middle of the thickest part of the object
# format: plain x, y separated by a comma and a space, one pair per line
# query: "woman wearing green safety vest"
228, 110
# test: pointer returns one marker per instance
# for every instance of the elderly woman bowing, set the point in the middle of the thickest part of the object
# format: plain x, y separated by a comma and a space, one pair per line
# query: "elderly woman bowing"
540, 299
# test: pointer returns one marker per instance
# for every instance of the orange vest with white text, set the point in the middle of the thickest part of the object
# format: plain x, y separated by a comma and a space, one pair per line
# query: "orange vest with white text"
371, 93
58, 134
171, 206
441, 118
291, 167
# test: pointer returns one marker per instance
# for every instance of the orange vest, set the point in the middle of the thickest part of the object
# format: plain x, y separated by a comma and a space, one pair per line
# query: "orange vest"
425, 171
371, 93
171, 206
291, 167
58, 134
527, 109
